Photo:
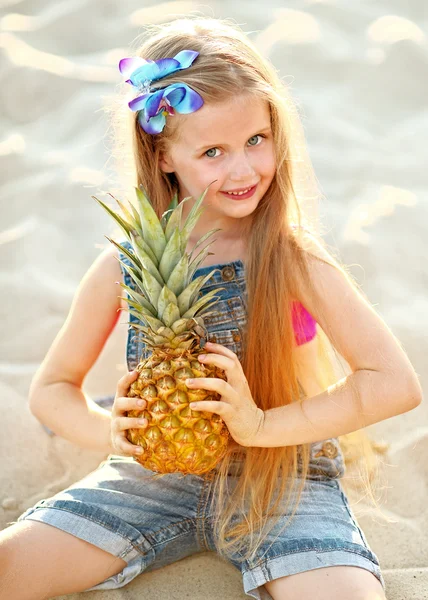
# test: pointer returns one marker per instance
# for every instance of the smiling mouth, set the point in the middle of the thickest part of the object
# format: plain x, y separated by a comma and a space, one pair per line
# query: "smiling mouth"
244, 194
241, 193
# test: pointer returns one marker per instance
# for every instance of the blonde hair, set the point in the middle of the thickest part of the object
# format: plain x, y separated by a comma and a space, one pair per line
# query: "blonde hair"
229, 63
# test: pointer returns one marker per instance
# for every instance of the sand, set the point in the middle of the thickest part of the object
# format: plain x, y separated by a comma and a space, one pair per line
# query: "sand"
359, 71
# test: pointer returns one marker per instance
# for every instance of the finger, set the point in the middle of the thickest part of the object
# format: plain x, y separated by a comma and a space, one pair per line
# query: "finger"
124, 404
208, 383
231, 366
124, 382
224, 362
123, 423
214, 406
212, 347
127, 448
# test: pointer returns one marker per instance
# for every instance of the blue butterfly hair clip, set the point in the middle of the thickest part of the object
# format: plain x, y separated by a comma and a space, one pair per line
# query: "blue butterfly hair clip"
154, 106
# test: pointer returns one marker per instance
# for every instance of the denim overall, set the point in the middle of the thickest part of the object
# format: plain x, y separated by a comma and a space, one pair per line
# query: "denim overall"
151, 522
226, 328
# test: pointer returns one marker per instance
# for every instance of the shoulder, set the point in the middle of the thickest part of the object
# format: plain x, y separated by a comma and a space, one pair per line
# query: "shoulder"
106, 272
313, 244
91, 319
324, 287
346, 316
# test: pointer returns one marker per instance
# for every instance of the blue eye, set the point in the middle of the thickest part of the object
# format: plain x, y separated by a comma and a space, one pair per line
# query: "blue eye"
206, 153
255, 136
259, 135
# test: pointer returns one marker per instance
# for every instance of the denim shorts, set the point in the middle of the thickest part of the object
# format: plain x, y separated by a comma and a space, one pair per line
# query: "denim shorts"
151, 522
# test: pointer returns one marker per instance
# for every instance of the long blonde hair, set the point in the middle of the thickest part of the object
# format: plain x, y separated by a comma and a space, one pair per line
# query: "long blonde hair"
229, 63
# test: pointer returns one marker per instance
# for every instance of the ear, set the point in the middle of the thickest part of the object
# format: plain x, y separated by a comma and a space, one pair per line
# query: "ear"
165, 163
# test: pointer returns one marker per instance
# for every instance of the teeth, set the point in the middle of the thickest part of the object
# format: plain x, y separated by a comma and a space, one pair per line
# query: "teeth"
239, 193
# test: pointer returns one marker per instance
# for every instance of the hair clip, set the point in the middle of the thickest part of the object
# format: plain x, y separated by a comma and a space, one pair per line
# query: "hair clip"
154, 106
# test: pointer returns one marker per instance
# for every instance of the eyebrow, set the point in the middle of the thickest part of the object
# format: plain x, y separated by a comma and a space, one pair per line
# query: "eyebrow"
214, 145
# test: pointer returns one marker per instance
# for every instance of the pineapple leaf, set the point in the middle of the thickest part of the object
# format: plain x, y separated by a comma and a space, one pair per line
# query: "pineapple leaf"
121, 222
203, 238
171, 256
184, 300
193, 266
174, 221
167, 214
165, 218
167, 332
154, 323
170, 314
178, 278
131, 221
152, 230
200, 304
187, 229
138, 307
146, 262
135, 261
165, 297
136, 216
134, 275
202, 310
138, 242
147, 330
138, 314
180, 326
140, 311
138, 298
174, 201
151, 286
191, 220
160, 340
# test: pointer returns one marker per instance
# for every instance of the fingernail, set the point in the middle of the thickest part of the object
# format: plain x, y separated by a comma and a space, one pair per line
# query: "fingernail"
189, 381
139, 451
140, 402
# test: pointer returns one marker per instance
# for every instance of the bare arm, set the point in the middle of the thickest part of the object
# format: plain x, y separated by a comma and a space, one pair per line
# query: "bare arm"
382, 384
56, 397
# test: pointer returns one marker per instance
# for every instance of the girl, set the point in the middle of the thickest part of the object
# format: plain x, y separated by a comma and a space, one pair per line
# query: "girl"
275, 507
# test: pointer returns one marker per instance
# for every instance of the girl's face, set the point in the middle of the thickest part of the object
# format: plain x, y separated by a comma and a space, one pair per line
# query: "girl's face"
230, 142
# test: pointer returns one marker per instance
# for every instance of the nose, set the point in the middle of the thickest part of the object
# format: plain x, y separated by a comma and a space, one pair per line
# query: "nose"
241, 168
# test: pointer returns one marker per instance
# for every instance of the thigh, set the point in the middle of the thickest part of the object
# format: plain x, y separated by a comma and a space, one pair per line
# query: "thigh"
328, 583
129, 512
44, 562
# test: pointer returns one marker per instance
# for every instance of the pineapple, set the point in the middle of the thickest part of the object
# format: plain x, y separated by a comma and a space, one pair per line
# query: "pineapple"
168, 304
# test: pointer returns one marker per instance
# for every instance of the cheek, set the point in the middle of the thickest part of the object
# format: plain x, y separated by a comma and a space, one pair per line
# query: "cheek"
266, 164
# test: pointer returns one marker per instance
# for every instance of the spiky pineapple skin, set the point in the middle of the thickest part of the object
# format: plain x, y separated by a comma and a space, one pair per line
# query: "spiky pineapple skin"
177, 438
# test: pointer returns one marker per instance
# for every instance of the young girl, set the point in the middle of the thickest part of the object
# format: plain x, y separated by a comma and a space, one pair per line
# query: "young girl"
274, 507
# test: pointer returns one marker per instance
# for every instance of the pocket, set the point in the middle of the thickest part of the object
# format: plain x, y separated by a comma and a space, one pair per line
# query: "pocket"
226, 311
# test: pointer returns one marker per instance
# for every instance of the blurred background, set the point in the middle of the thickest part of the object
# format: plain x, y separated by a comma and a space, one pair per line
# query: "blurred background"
358, 71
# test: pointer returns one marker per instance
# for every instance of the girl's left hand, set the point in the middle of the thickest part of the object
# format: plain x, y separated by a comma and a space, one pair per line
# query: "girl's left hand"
244, 419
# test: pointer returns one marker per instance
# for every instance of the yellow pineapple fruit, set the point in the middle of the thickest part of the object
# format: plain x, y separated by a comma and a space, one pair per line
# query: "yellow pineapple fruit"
168, 304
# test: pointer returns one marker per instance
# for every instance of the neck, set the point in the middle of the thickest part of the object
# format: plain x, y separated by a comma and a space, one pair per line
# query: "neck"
231, 231
222, 250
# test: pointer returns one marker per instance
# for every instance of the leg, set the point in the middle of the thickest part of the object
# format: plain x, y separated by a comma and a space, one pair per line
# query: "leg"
328, 583
39, 561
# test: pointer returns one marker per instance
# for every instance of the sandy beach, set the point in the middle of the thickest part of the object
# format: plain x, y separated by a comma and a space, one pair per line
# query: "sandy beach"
359, 73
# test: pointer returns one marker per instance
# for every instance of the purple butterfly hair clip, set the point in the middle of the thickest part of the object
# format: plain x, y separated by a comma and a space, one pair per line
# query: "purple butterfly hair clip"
153, 106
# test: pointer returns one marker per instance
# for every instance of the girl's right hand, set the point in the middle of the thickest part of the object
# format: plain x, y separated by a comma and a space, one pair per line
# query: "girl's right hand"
120, 423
